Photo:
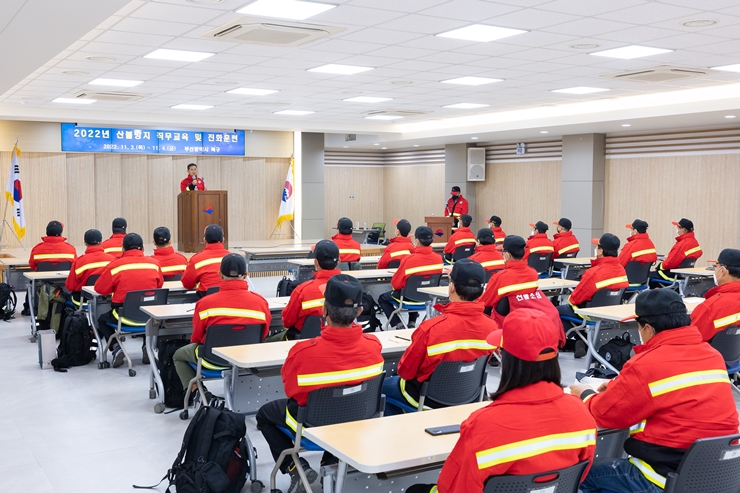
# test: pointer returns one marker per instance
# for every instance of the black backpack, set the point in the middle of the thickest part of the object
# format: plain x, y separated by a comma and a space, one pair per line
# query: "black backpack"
617, 351
367, 318
8, 301
77, 344
174, 394
286, 286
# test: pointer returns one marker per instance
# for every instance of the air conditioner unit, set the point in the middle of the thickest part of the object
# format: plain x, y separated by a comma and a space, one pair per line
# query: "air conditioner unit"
476, 164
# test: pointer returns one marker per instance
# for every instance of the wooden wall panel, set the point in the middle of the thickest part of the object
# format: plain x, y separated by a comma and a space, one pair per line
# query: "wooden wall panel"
411, 193
80, 196
662, 189
365, 183
276, 170
135, 184
107, 191
161, 195
520, 193
235, 171
209, 167
44, 180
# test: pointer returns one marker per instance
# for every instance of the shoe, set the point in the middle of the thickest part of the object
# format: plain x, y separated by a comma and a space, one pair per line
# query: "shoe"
399, 326
117, 357
144, 356
296, 485
493, 362
580, 350
412, 325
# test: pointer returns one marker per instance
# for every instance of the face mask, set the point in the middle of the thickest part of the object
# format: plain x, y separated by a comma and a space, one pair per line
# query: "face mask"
640, 334
714, 276
534, 232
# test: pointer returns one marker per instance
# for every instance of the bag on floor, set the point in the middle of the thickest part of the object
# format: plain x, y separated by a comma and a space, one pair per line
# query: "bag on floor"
50, 303
77, 344
368, 319
8, 301
174, 394
286, 286
617, 351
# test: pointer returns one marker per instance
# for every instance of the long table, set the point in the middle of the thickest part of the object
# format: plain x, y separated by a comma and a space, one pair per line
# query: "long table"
689, 275
275, 258
304, 267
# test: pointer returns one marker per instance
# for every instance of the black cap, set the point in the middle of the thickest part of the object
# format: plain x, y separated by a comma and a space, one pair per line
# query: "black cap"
485, 236
423, 233
119, 225
540, 226
607, 242
162, 236
326, 250
343, 291
654, 302
403, 227
514, 245
54, 228
466, 219
729, 257
565, 223
93, 237
233, 265
132, 241
685, 224
344, 225
496, 221
468, 272
213, 233
456, 189
640, 225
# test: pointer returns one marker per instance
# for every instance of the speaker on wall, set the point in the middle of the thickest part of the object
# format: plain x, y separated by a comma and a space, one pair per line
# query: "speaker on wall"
476, 164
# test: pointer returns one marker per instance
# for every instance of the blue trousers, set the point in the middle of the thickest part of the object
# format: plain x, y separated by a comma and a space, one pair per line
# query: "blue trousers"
392, 390
617, 476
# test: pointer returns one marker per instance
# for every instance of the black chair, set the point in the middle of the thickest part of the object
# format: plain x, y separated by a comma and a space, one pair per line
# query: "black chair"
568, 255
52, 266
81, 305
92, 279
311, 327
727, 343
542, 263
711, 465
345, 266
560, 481
393, 264
463, 251
638, 276
606, 297
411, 292
212, 289
176, 277
379, 231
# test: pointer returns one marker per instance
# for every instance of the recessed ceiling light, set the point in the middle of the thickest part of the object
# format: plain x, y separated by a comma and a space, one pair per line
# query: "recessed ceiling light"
471, 81
626, 125
115, 82
74, 101
191, 107
481, 33
383, 117
382, 148
630, 52
248, 91
585, 46
416, 145
94, 58
544, 132
730, 116
334, 68
75, 72
699, 23
473, 138
376, 144
285, 9
293, 112
345, 147
179, 55
366, 99
580, 90
402, 82
465, 106
728, 68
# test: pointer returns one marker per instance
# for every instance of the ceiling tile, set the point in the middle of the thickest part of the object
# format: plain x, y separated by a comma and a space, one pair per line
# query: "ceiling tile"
185, 13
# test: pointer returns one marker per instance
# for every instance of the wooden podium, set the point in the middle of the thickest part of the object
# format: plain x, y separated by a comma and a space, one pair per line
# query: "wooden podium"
195, 211
440, 223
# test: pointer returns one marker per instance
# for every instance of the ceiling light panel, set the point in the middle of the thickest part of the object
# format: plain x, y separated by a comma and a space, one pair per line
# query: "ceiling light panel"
115, 82
191, 107
293, 112
334, 68
248, 91
481, 33
471, 81
630, 52
728, 68
285, 9
465, 106
179, 55
367, 99
580, 90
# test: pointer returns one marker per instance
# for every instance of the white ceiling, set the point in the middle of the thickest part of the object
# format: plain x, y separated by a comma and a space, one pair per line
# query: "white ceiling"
396, 37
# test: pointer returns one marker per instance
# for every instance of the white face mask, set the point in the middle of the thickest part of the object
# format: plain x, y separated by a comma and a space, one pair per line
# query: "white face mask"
534, 232
714, 276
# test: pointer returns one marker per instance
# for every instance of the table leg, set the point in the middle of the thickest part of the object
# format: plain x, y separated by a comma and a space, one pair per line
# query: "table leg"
93, 315
156, 384
30, 292
341, 476
593, 337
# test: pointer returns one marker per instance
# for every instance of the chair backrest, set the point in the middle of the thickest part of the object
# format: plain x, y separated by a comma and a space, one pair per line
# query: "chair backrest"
345, 266
393, 264
540, 263
52, 266
637, 273
463, 251
458, 382
175, 277
213, 289
311, 327
568, 255
565, 480
688, 263
91, 280
711, 465
606, 297
344, 403
490, 273
415, 282
374, 236
144, 297
727, 342
229, 335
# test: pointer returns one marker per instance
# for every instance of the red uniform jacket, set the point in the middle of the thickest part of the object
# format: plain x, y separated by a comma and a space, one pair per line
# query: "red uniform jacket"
516, 278
685, 247
114, 245
539, 244
233, 304
458, 334
460, 209
489, 257
533, 301
720, 310
674, 391
400, 247
422, 261
172, 263
349, 249
203, 268
605, 272
498, 235
639, 248
186, 182
307, 299
564, 243
531, 429
132, 272
92, 262
462, 236
52, 249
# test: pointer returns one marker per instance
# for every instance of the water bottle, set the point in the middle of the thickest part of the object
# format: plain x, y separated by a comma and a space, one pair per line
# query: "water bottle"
357, 225
364, 225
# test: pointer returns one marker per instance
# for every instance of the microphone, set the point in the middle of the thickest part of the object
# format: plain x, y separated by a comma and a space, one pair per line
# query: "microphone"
194, 184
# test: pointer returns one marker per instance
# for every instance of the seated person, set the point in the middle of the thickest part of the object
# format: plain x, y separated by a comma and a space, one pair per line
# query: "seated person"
422, 261
114, 244
486, 253
52, 248
639, 246
202, 270
516, 278
132, 272
674, 391
498, 233
461, 237
91, 263
539, 243
399, 247
521, 432
686, 247
459, 335
721, 309
349, 249
171, 262
564, 241
233, 304
307, 299
341, 352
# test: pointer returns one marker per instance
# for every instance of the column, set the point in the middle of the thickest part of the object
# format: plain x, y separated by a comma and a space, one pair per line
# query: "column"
456, 174
309, 151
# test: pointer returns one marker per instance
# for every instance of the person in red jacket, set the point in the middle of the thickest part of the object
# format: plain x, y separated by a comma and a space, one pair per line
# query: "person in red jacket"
422, 261
202, 270
639, 247
132, 272
341, 355
516, 278
307, 299
113, 244
531, 426
674, 391
539, 243
458, 334
460, 238
486, 253
456, 205
721, 309
91, 263
564, 241
399, 247
171, 262
233, 304
349, 249
52, 248
686, 247
192, 181
498, 233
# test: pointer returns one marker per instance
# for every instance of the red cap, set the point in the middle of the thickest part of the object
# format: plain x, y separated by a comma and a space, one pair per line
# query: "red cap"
533, 225
395, 221
556, 223
675, 223
526, 334
628, 226
594, 241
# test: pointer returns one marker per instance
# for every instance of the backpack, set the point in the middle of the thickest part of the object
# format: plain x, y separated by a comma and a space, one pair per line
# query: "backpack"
77, 345
174, 394
8, 301
367, 318
617, 351
50, 302
286, 286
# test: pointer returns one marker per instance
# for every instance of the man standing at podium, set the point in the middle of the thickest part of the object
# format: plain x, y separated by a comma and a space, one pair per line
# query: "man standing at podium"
192, 182
456, 205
